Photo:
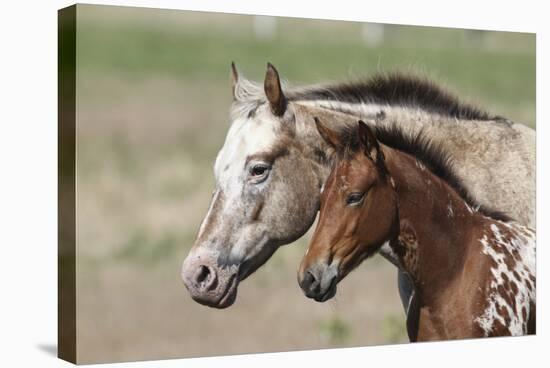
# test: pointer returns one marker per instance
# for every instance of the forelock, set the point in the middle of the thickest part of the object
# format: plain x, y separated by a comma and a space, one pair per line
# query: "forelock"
248, 96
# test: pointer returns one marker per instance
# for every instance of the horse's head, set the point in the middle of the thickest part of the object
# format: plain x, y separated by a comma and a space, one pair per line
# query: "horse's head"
358, 212
266, 194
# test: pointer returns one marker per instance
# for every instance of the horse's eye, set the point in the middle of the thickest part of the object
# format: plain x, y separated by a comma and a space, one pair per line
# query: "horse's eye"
354, 199
259, 171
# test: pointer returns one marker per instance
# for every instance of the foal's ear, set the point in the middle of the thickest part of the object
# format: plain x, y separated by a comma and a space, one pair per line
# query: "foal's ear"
273, 91
369, 142
328, 135
234, 80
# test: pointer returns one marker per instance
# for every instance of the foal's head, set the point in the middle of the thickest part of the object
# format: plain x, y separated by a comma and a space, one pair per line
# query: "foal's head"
358, 212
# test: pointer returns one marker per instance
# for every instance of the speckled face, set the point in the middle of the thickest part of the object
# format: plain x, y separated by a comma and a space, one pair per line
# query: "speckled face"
266, 195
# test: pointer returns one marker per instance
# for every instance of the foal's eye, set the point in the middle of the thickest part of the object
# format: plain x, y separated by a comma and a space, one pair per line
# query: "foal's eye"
258, 172
354, 199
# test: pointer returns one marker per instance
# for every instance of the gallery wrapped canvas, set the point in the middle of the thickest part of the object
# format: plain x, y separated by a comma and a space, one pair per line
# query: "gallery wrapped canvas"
234, 184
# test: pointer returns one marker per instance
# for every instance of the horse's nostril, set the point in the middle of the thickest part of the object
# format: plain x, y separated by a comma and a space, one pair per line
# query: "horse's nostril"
310, 278
205, 277
202, 274
310, 283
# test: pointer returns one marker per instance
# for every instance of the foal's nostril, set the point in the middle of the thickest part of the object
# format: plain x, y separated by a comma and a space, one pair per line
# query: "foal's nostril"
310, 278
205, 277
310, 283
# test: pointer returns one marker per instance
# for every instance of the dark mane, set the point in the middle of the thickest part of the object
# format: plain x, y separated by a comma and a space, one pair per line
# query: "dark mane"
431, 155
395, 90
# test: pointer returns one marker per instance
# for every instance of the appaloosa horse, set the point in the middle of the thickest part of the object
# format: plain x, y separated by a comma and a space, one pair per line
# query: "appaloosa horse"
273, 164
473, 270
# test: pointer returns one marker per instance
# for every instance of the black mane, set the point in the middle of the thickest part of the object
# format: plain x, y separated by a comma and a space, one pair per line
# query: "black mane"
396, 90
431, 155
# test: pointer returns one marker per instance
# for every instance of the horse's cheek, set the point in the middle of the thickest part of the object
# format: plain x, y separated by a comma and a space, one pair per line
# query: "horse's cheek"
297, 199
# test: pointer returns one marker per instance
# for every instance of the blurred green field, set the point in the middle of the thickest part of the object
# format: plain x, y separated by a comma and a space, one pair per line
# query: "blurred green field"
153, 97
494, 69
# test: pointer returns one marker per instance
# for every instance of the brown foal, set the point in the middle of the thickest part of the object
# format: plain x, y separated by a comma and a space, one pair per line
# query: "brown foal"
473, 270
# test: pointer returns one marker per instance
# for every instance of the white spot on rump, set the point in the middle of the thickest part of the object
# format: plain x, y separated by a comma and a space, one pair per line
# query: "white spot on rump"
514, 255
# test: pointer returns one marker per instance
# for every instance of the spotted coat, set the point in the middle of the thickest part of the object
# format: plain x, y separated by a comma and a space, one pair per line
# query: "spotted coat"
510, 289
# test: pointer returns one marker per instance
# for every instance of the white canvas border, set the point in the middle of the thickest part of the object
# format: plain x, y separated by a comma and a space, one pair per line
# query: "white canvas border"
28, 158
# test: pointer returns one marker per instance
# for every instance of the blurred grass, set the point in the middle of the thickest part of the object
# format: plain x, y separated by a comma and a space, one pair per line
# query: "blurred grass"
493, 69
394, 328
334, 330
153, 97
140, 248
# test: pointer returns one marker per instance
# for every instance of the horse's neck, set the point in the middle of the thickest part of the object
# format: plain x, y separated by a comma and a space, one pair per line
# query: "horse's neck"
412, 120
435, 222
339, 115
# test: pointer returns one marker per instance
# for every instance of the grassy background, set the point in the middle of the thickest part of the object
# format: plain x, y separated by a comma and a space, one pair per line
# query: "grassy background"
153, 96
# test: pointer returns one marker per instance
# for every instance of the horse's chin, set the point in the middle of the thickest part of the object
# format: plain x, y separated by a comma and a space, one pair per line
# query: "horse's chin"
226, 296
227, 299
323, 298
221, 298
328, 294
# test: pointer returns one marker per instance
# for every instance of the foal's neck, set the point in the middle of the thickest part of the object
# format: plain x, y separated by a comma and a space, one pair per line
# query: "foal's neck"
435, 222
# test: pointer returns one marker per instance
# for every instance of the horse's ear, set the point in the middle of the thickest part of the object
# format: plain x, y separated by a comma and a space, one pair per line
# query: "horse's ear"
234, 80
273, 91
369, 143
330, 136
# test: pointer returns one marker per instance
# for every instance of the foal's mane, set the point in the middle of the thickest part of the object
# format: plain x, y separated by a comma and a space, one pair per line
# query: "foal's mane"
392, 89
421, 147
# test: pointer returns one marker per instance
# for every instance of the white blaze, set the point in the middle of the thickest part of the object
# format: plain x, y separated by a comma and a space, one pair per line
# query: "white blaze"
245, 137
